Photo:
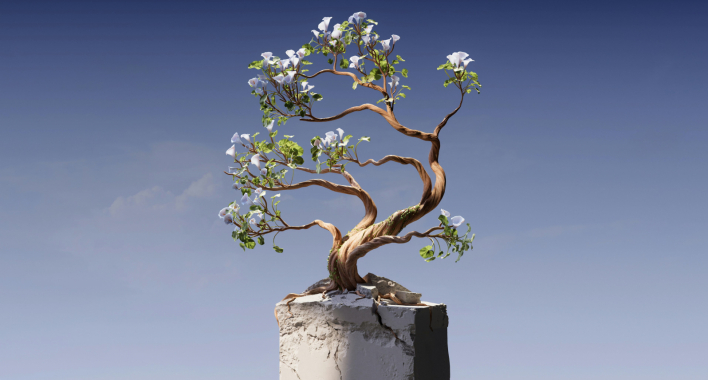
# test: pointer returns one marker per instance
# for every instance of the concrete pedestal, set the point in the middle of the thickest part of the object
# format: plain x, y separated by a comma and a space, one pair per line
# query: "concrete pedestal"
347, 337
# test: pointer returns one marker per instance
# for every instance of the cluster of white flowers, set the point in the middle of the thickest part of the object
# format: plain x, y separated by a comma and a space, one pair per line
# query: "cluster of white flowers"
330, 139
459, 60
455, 221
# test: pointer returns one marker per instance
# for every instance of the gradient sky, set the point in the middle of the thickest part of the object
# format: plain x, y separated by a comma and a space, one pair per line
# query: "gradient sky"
582, 168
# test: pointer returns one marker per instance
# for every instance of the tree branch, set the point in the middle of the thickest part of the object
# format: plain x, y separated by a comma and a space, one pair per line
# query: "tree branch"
427, 184
336, 235
374, 243
352, 75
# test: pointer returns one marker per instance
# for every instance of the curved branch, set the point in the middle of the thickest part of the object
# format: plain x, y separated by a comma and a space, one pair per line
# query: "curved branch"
369, 205
352, 75
374, 243
427, 184
336, 235
451, 114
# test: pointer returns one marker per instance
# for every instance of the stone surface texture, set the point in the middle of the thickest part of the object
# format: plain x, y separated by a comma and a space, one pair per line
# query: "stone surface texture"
347, 337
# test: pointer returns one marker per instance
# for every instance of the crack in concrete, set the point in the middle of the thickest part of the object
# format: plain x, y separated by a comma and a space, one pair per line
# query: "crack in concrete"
336, 358
293, 369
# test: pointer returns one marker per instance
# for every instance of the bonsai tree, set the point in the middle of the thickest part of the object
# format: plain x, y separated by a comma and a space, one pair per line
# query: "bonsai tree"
283, 90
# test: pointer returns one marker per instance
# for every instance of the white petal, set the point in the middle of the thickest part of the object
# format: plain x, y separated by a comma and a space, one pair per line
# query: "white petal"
395, 38
341, 133
231, 151
223, 212
290, 53
267, 55
269, 127
256, 160
235, 139
301, 53
246, 137
228, 219
457, 220
446, 213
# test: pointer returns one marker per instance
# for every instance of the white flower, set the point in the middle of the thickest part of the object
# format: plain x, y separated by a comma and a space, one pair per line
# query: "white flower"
294, 61
301, 53
324, 24
395, 38
446, 213
394, 81
235, 186
290, 53
354, 61
456, 221
246, 137
283, 64
264, 171
341, 133
256, 160
253, 221
279, 78
386, 44
357, 17
467, 61
306, 87
246, 201
236, 139
233, 169
258, 191
228, 219
276, 196
269, 127
290, 76
232, 151
259, 91
336, 33
457, 58
267, 55
331, 136
316, 33
223, 212
254, 82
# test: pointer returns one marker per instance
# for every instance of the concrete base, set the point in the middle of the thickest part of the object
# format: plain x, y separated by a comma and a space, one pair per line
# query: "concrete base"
347, 337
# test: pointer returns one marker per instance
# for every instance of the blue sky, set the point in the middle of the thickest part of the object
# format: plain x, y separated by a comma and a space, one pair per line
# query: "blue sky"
581, 168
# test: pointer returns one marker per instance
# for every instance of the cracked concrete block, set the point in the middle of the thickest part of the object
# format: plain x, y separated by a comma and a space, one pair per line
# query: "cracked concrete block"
347, 338
368, 291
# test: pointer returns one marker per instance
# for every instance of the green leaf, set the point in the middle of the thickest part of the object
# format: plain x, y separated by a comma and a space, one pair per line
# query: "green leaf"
317, 97
249, 243
400, 59
427, 252
402, 94
446, 66
443, 220
305, 62
406, 87
344, 63
277, 249
261, 241
256, 64
404, 72
330, 61
298, 160
365, 138
372, 21
354, 85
